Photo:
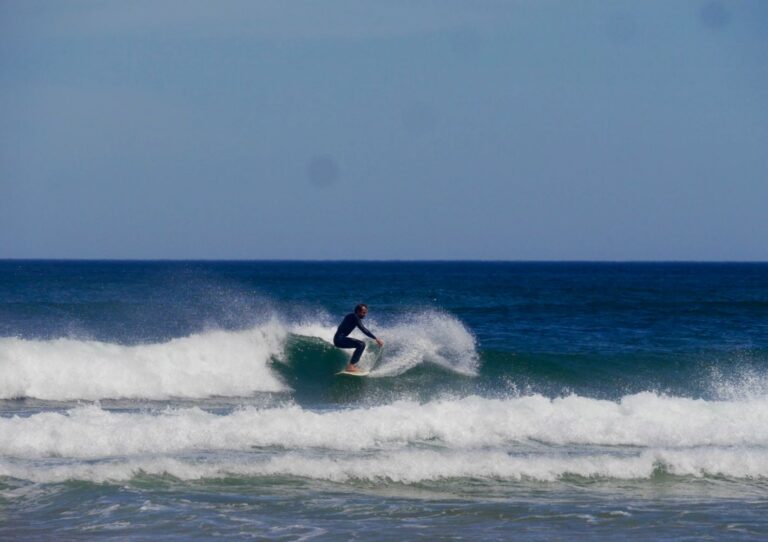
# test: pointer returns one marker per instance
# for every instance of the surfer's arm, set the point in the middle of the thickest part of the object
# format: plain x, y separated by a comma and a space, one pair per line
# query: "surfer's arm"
371, 335
365, 330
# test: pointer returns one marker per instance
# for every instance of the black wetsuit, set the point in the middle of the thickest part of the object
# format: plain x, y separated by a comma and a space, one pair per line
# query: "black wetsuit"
350, 322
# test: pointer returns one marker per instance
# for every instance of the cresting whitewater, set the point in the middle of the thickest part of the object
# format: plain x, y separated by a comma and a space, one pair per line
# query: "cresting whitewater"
526, 401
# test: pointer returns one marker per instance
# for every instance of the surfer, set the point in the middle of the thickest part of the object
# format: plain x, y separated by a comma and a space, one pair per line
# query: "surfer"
351, 321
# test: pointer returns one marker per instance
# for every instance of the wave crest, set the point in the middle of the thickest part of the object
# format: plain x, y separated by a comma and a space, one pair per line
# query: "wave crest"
224, 363
644, 420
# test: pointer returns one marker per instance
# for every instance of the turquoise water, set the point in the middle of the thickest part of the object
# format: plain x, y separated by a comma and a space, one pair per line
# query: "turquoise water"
529, 401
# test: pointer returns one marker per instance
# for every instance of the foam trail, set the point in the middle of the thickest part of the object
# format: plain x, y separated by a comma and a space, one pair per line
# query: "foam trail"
214, 363
643, 420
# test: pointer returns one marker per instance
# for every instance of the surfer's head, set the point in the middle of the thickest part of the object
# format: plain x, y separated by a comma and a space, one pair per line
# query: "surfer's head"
361, 310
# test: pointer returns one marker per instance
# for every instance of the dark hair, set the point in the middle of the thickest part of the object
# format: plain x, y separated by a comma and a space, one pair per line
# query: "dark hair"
359, 307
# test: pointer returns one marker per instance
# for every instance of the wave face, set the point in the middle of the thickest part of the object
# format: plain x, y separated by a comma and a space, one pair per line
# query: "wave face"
221, 363
530, 437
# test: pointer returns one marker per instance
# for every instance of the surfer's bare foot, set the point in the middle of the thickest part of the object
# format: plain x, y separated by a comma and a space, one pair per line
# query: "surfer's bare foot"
352, 369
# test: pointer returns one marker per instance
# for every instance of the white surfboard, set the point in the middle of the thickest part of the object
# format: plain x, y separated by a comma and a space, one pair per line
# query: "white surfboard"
356, 373
362, 372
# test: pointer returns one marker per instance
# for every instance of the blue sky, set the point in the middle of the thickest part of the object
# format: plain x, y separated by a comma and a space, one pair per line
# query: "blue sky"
384, 130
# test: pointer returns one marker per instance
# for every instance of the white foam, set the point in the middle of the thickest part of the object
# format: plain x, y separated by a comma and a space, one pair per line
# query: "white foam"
642, 420
509, 439
410, 466
223, 363
214, 363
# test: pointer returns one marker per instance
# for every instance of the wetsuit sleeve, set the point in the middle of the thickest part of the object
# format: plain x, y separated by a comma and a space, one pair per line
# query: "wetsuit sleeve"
364, 329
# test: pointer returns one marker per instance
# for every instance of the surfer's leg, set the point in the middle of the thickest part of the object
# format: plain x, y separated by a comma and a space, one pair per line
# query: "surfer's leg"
346, 342
359, 347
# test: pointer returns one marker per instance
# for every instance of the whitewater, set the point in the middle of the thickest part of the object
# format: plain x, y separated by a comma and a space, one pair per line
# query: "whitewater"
534, 437
644, 420
502, 434
212, 363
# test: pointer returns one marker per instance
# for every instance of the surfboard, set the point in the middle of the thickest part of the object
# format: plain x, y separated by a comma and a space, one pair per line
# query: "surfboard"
364, 372
356, 373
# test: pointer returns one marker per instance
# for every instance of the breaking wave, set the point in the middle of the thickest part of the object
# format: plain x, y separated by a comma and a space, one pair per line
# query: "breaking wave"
218, 363
404, 441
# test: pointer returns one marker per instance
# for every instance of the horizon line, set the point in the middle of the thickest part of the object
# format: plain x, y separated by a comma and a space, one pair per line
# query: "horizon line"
372, 260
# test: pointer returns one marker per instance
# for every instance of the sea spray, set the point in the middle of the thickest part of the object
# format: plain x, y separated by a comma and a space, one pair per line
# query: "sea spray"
431, 337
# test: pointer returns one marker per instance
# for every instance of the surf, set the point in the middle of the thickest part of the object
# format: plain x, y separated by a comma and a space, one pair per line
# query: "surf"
642, 420
276, 356
214, 363
643, 436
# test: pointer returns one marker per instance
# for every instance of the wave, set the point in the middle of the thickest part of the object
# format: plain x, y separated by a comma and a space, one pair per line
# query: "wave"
413, 466
216, 363
642, 436
222, 363
428, 337
643, 420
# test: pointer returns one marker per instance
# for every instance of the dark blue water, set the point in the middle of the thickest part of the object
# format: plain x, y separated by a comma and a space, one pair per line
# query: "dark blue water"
511, 400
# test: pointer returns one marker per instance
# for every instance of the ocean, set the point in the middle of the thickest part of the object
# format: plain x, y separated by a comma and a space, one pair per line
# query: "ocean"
511, 401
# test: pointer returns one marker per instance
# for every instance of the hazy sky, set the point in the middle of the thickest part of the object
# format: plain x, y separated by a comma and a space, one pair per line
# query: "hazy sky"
384, 130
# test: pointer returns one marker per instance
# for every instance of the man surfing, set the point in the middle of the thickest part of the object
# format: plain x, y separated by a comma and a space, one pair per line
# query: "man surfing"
351, 321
